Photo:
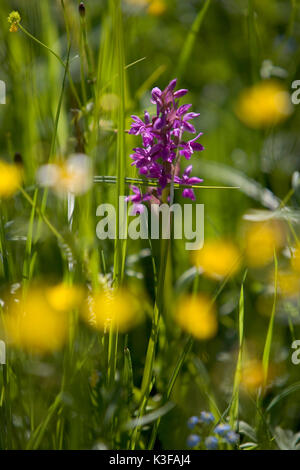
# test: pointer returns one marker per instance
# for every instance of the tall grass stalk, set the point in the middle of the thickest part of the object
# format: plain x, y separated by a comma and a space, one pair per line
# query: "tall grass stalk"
234, 407
120, 245
190, 40
269, 337
147, 380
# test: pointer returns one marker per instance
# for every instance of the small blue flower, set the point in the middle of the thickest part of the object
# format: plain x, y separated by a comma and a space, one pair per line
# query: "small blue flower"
222, 429
192, 422
232, 437
211, 443
206, 417
193, 440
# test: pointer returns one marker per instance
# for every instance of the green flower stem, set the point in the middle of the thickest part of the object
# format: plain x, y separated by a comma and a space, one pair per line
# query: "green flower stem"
88, 53
120, 245
150, 357
42, 215
187, 348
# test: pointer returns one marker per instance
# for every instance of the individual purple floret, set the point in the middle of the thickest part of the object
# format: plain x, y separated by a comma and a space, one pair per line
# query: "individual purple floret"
138, 198
185, 179
163, 144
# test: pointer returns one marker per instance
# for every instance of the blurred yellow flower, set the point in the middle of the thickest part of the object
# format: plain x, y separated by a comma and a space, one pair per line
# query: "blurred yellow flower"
117, 309
265, 104
10, 179
14, 19
295, 261
196, 315
218, 258
33, 325
157, 8
63, 297
252, 375
73, 176
288, 283
260, 241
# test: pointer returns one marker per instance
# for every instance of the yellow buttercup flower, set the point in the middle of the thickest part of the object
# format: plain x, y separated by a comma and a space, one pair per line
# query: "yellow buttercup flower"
33, 325
10, 179
218, 258
157, 8
288, 283
14, 19
196, 315
265, 104
260, 241
63, 297
117, 309
252, 375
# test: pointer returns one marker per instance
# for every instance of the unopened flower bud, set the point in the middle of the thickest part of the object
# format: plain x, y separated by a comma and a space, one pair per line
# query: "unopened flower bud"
81, 9
14, 19
18, 160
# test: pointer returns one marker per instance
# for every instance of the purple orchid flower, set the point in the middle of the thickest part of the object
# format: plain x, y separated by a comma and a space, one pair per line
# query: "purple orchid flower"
185, 179
188, 148
137, 198
163, 143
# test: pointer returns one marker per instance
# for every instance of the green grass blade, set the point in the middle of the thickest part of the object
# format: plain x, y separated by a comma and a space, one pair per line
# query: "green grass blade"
234, 407
37, 436
268, 343
190, 41
120, 245
285, 393
173, 378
